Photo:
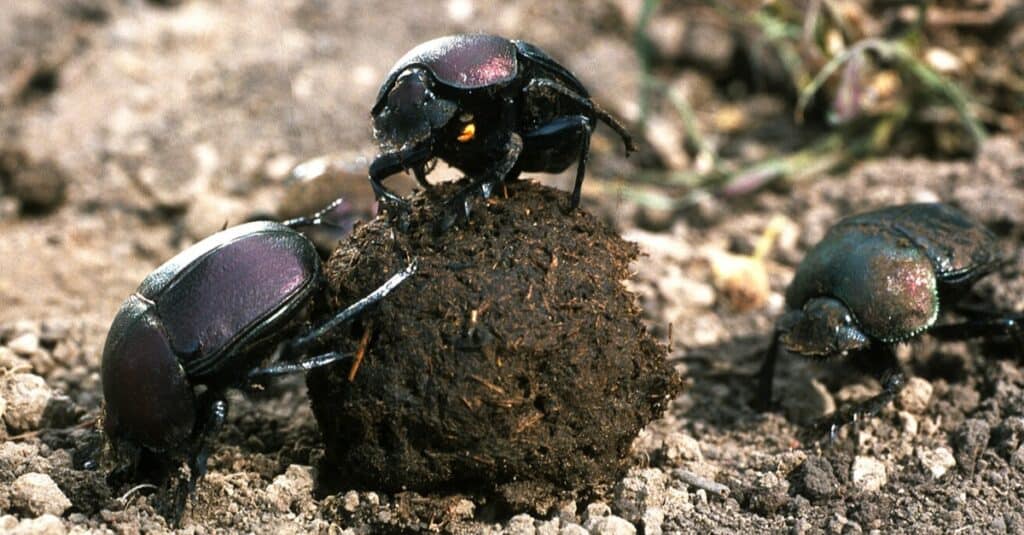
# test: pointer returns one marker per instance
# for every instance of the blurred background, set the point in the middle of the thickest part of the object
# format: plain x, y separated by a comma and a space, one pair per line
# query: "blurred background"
132, 128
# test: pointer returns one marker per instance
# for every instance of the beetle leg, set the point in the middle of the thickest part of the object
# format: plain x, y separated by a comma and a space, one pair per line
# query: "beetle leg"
216, 413
513, 148
1010, 325
215, 410
766, 375
317, 219
890, 374
260, 375
385, 165
552, 136
300, 344
420, 172
587, 104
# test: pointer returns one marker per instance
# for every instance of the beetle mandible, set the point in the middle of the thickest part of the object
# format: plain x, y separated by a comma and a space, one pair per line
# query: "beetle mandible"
880, 278
489, 106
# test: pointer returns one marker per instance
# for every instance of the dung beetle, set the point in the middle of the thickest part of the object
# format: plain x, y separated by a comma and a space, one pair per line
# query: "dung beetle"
880, 278
228, 312
489, 106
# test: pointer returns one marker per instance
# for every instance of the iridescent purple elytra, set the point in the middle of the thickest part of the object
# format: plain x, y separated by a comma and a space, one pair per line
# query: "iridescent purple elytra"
194, 317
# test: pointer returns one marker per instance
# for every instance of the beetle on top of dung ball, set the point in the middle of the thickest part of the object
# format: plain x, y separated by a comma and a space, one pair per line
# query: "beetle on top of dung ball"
488, 106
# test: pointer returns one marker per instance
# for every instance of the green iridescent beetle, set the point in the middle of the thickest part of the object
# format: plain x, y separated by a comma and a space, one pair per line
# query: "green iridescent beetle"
880, 278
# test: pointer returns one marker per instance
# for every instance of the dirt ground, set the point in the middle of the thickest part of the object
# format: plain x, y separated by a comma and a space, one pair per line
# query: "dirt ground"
137, 128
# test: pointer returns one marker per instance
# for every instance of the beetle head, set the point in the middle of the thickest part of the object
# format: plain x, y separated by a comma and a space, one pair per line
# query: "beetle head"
824, 327
412, 112
148, 400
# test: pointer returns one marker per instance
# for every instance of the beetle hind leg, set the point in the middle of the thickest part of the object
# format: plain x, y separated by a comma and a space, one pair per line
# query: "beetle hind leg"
543, 84
216, 413
983, 326
546, 148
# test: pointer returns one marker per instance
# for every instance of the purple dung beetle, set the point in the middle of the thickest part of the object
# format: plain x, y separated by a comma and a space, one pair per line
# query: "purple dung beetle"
489, 106
880, 278
230, 311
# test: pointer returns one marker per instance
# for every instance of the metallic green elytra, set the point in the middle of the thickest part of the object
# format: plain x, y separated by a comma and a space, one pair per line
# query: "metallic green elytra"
891, 269
878, 278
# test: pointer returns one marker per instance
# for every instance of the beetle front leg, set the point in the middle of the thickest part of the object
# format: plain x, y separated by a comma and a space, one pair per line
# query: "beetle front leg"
452, 213
890, 374
382, 167
385, 165
766, 375
302, 343
286, 368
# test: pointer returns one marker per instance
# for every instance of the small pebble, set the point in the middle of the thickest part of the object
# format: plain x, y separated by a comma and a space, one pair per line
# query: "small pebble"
970, 440
54, 330
351, 501
43, 525
567, 513
27, 396
37, 494
25, 344
573, 529
597, 510
937, 461
652, 521
295, 484
1017, 459
9, 360
609, 525
639, 491
1009, 434
868, 473
909, 423
464, 509
40, 187
521, 524
815, 479
915, 396
548, 527
681, 447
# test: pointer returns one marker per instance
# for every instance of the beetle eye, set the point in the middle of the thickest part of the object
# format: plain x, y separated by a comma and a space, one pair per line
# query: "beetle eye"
468, 132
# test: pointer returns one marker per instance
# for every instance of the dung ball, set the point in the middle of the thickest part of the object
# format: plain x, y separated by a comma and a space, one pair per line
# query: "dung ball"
514, 363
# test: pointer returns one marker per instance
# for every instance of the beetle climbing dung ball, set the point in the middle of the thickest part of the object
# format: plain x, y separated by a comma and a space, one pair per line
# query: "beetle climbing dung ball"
206, 321
489, 106
514, 363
